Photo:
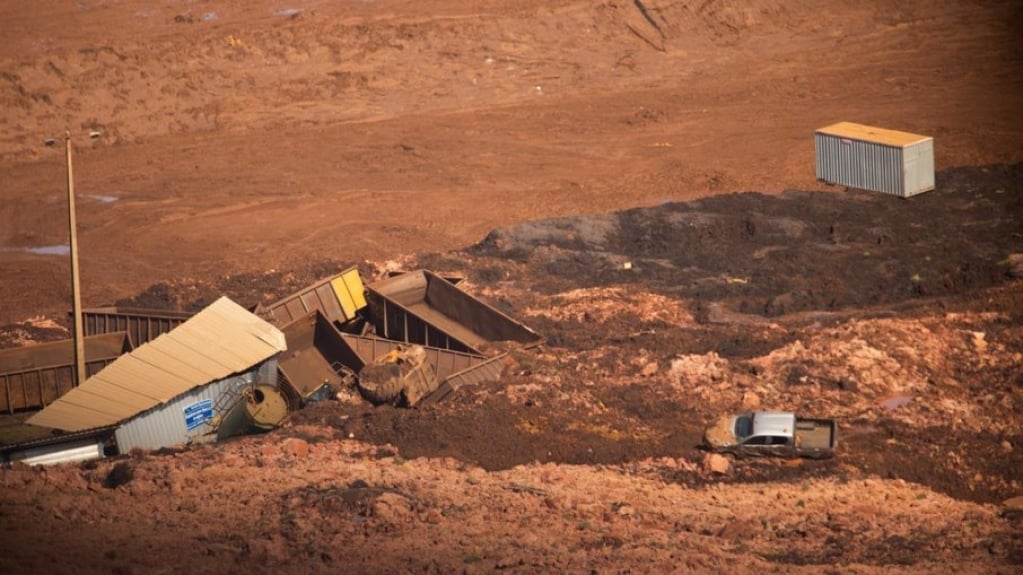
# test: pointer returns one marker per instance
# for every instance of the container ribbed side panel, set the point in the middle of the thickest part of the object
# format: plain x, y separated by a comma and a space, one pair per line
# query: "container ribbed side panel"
164, 425
859, 164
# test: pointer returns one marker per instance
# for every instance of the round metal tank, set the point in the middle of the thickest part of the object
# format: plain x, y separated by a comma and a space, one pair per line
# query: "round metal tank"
266, 407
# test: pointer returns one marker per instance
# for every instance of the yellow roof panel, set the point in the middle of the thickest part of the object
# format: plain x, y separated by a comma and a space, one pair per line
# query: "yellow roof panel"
866, 133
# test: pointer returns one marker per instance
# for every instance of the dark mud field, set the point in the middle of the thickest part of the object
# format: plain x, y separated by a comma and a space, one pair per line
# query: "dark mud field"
805, 259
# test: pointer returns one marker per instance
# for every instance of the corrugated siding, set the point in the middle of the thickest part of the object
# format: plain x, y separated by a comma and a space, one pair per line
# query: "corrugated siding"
489, 370
164, 425
858, 164
219, 341
36, 375
878, 166
142, 325
338, 298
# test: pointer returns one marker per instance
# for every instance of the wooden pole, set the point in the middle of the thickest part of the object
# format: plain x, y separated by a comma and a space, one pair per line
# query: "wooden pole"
75, 287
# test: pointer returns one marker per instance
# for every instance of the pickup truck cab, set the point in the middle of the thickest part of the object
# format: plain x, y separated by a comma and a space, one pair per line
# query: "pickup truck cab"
773, 433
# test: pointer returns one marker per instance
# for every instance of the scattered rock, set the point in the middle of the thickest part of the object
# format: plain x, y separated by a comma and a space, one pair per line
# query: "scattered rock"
1015, 265
232, 460
717, 464
295, 447
978, 340
554, 502
392, 508
649, 369
1014, 503
750, 400
739, 530
120, 474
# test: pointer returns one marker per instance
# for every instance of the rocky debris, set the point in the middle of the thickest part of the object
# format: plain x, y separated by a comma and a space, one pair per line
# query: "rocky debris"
722, 432
649, 369
606, 305
33, 330
717, 464
1015, 262
295, 447
340, 506
120, 474
401, 377
750, 401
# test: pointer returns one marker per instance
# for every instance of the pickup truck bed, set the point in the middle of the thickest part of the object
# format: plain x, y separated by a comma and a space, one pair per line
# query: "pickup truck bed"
814, 433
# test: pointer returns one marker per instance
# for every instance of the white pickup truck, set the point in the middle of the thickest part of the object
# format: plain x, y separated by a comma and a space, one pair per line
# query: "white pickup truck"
774, 433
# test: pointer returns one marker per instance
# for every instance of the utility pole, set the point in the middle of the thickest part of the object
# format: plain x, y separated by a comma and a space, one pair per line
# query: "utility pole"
75, 287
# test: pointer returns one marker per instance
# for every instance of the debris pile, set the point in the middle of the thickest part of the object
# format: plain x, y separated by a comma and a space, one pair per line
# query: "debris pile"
225, 371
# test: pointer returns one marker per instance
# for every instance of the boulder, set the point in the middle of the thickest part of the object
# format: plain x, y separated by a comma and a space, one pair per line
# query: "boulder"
1015, 265
717, 464
295, 447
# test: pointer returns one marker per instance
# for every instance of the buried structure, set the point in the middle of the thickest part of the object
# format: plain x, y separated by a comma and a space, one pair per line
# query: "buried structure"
179, 387
34, 376
322, 360
418, 337
227, 371
424, 308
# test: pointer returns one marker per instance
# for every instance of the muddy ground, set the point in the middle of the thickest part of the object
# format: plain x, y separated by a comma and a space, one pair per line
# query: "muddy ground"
632, 180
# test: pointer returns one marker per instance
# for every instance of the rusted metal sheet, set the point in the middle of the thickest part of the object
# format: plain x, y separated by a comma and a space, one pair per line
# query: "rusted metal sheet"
453, 279
316, 355
142, 325
445, 362
34, 376
423, 308
319, 354
338, 298
490, 369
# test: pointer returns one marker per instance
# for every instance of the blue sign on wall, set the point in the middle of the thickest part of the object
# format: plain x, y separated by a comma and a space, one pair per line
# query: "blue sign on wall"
198, 414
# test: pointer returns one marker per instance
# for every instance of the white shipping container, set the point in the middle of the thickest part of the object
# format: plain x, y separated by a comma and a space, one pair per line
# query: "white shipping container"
875, 159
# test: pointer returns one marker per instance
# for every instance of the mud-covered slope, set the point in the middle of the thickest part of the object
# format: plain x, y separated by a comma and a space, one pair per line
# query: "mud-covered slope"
587, 451
251, 148
799, 251
171, 69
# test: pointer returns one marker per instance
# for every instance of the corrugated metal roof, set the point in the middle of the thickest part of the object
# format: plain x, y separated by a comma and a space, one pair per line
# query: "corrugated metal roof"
220, 340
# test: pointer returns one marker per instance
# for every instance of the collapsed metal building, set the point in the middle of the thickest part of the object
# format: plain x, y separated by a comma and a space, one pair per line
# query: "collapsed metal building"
177, 388
227, 370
